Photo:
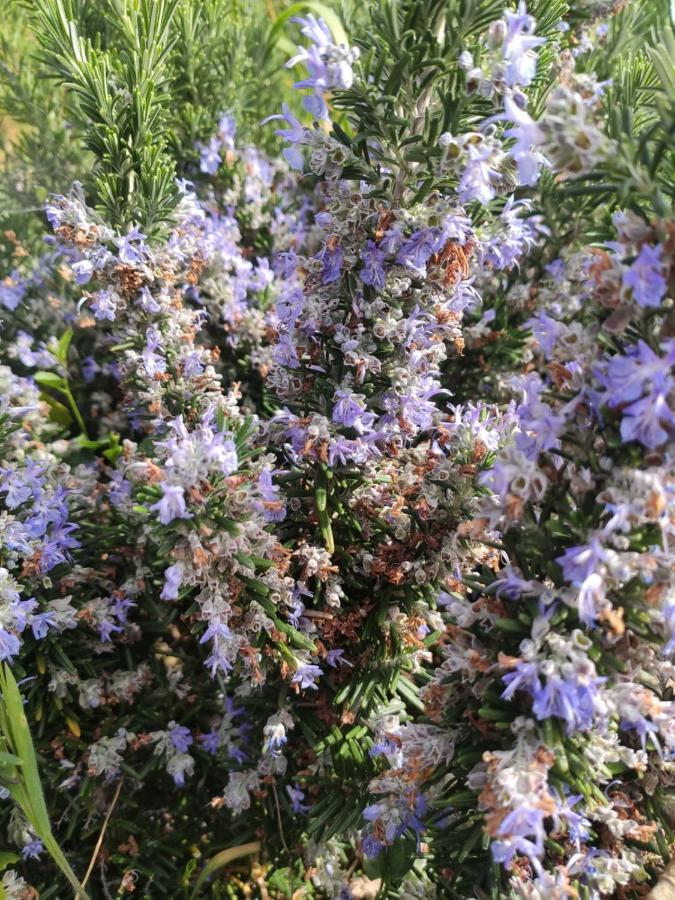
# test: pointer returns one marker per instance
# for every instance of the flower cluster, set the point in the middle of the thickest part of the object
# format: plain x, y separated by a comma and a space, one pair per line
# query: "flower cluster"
559, 657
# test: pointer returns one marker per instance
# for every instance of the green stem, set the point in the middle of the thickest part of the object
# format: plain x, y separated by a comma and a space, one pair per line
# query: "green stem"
76, 412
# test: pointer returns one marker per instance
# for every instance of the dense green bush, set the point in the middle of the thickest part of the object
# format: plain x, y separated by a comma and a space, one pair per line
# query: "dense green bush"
337, 473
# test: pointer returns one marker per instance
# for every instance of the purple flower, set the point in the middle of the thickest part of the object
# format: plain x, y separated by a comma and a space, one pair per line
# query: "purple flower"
227, 130
541, 428
153, 363
55, 549
577, 824
556, 269
272, 506
669, 620
106, 629
392, 240
192, 364
285, 352
40, 624
590, 598
221, 638
385, 747
290, 304
287, 263
296, 134
173, 578
215, 631
323, 219
645, 276
276, 739
209, 157
331, 257
644, 728
147, 302
296, 797
210, 741
371, 847
121, 607
120, 490
351, 412
511, 585
510, 236
526, 134
227, 456
179, 766
575, 699
83, 270
21, 609
410, 807
520, 832
416, 250
180, 737
572, 699
172, 505
577, 563
647, 419
334, 658
518, 47
650, 421
306, 676
479, 176
525, 677
372, 271
89, 368
12, 291
104, 304
546, 331
454, 227
9, 645
626, 377
343, 450
33, 849
329, 65
17, 489
131, 248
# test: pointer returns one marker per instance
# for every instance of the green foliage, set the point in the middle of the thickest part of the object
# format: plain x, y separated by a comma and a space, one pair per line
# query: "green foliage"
124, 91
410, 62
40, 151
19, 772
123, 99
227, 57
208, 50
639, 64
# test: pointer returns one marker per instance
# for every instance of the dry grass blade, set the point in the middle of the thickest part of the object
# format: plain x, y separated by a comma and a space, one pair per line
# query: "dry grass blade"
97, 848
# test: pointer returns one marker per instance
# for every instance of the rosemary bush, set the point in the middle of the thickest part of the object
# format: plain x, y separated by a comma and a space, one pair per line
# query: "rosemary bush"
337, 474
